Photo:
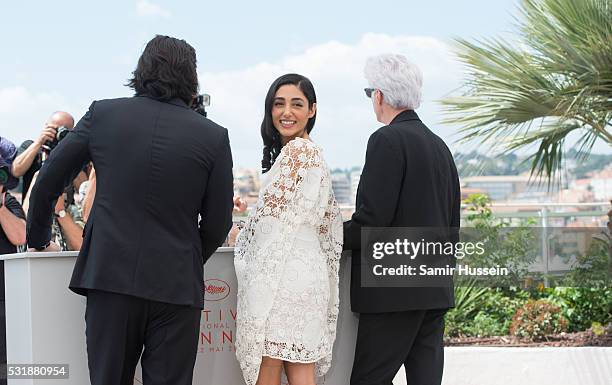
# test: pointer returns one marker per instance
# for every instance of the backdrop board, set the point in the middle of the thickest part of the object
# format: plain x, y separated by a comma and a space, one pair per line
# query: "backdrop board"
45, 321
45, 325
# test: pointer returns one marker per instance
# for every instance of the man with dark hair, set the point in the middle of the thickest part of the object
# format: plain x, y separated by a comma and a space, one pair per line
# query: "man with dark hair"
180, 83
141, 262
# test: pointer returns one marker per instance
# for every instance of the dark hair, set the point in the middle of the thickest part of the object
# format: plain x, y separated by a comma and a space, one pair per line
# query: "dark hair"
269, 134
166, 70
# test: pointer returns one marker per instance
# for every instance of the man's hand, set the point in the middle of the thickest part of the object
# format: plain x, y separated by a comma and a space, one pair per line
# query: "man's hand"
47, 134
59, 206
53, 247
24, 161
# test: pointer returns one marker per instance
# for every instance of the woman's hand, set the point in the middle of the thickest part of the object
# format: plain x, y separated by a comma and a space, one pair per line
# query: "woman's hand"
240, 206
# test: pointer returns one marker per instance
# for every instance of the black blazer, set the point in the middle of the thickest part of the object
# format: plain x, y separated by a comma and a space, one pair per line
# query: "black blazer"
159, 166
409, 180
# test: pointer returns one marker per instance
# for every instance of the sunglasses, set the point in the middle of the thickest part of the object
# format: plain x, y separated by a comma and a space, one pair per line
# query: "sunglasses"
369, 91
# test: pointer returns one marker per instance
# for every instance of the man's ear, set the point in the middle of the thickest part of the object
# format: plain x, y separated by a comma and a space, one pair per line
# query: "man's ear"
378, 97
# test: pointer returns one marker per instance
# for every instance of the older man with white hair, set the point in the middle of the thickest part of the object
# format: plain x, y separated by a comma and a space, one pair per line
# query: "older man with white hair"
409, 180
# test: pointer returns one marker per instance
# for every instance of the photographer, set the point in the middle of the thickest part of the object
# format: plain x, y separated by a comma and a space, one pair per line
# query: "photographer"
68, 223
12, 228
12, 217
31, 154
12, 220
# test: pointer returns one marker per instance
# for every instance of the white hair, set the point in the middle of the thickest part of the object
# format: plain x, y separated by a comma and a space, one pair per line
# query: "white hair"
399, 80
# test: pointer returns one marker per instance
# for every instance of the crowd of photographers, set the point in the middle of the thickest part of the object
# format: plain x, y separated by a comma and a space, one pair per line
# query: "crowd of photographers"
24, 162
21, 164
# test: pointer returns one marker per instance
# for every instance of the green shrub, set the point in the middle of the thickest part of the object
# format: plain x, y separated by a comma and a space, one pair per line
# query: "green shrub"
508, 244
591, 269
582, 306
483, 311
537, 319
486, 325
502, 303
467, 304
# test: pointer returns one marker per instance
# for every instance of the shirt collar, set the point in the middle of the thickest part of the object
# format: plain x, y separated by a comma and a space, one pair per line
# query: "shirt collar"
405, 115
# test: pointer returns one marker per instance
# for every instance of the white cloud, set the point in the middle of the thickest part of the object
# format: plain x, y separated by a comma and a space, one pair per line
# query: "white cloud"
23, 113
148, 9
345, 118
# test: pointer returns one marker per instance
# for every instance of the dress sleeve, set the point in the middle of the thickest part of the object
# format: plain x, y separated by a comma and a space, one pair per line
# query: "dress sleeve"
331, 238
296, 187
291, 199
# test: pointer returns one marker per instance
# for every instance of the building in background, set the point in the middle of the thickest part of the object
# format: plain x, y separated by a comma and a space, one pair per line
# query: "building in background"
520, 188
341, 186
599, 183
354, 177
246, 181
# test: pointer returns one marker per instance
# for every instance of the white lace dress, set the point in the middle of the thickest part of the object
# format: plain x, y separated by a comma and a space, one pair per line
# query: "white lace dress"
286, 260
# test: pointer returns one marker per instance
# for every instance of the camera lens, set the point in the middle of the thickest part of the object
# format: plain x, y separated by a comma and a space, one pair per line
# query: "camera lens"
61, 133
3, 176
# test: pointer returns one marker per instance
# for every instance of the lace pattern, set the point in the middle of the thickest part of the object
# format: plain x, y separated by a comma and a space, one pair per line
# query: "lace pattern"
286, 260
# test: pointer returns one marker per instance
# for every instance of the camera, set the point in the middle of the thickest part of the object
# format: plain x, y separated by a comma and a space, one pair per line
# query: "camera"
60, 134
7, 181
4, 176
199, 103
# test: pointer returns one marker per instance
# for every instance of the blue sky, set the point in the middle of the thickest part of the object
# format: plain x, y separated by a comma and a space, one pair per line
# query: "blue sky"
63, 54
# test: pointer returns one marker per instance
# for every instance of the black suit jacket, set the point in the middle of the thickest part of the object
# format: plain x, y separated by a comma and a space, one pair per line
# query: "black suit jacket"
409, 180
159, 166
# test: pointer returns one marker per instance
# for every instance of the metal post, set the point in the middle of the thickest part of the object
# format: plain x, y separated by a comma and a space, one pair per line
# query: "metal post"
544, 216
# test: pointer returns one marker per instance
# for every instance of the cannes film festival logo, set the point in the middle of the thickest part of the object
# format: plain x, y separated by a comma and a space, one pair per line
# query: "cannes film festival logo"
215, 290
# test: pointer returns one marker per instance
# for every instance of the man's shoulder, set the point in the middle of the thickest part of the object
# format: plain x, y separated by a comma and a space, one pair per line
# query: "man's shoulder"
140, 103
411, 133
143, 101
102, 103
404, 127
129, 101
391, 133
413, 129
210, 125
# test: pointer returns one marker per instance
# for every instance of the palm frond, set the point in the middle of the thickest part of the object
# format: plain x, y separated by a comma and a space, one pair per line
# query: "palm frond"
562, 73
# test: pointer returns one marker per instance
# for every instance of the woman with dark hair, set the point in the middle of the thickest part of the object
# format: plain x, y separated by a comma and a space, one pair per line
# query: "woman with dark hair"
287, 255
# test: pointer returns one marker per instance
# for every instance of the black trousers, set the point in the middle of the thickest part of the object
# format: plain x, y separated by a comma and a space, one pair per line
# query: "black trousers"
117, 328
385, 341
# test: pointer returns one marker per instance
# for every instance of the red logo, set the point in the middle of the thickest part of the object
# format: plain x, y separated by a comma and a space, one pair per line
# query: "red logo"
215, 290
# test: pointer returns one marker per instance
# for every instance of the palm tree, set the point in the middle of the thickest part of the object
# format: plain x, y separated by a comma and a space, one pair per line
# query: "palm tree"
556, 79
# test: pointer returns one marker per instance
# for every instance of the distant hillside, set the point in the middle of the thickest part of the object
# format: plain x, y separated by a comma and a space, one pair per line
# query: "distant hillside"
478, 164
592, 163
